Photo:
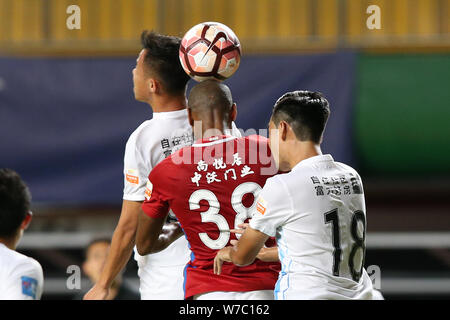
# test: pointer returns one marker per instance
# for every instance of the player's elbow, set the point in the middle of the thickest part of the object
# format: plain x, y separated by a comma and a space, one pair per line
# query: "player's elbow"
241, 260
141, 251
144, 247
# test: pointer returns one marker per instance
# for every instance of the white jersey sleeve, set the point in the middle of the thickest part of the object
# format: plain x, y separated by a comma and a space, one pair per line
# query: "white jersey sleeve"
271, 213
136, 171
25, 282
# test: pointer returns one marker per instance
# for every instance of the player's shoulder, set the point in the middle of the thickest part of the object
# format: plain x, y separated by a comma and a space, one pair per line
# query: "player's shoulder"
144, 131
18, 262
297, 178
257, 139
254, 142
276, 184
346, 168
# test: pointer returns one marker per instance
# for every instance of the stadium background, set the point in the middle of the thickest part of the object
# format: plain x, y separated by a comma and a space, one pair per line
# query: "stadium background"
67, 109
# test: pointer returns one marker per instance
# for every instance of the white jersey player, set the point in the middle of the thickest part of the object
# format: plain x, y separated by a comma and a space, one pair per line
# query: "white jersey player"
161, 274
160, 81
21, 277
316, 211
320, 230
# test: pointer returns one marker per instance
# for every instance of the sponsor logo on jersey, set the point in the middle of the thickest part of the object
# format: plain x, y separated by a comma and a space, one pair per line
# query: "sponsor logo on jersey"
261, 206
132, 177
29, 287
148, 190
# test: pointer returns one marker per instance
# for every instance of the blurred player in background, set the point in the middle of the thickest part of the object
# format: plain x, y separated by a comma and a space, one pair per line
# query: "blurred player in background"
210, 192
316, 211
160, 81
96, 253
21, 277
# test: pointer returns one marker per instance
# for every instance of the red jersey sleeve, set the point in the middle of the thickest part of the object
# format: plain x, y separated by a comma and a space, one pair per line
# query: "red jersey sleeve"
156, 204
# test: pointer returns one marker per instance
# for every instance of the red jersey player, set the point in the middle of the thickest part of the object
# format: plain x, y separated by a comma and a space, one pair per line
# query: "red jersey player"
211, 187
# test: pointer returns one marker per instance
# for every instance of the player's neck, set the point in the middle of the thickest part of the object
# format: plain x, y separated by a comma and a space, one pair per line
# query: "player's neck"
302, 150
10, 243
163, 103
215, 129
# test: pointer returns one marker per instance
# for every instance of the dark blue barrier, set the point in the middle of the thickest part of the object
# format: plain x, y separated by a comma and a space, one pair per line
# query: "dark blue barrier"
64, 122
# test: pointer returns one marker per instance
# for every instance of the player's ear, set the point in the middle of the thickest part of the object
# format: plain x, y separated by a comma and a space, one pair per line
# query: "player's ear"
26, 221
283, 128
153, 85
233, 114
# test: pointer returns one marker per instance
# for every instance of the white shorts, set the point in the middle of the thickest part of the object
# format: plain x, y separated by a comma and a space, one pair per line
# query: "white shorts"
162, 283
162, 274
249, 295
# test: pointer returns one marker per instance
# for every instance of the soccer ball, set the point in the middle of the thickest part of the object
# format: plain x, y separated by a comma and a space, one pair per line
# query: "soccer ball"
210, 50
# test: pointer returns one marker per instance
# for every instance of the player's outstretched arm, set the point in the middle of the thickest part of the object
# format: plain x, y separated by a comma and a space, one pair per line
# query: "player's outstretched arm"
122, 244
265, 254
248, 247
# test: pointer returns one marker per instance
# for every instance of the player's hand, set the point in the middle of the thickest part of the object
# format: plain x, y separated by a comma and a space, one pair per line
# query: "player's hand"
241, 229
222, 256
97, 293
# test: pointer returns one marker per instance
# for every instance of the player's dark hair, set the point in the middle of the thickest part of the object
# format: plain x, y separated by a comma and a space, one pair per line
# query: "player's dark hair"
211, 94
305, 111
162, 60
15, 202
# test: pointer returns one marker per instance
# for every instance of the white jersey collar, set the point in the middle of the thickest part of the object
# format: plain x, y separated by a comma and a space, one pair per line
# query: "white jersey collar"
170, 114
312, 160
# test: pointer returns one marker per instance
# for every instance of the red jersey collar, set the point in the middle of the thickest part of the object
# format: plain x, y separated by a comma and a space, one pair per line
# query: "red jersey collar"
213, 140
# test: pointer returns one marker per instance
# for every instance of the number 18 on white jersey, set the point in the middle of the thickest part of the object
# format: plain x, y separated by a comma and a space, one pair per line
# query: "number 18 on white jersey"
317, 214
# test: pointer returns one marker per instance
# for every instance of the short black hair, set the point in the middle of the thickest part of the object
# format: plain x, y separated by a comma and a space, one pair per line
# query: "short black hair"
162, 59
305, 111
15, 202
211, 94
